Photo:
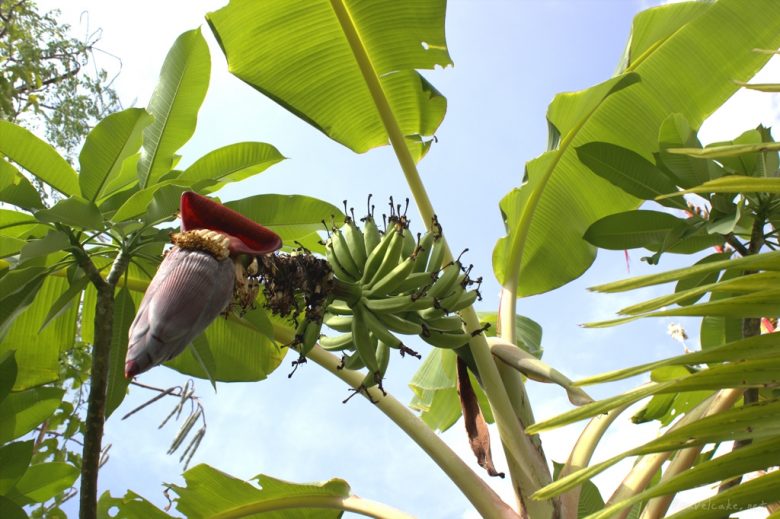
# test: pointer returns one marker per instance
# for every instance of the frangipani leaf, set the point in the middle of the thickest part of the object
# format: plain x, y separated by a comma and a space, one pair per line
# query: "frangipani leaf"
680, 72
230, 164
37, 157
108, 145
16, 189
75, 212
22, 411
292, 217
184, 79
43, 481
321, 81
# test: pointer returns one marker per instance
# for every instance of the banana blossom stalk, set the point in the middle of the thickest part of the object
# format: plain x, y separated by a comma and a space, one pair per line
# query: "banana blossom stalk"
198, 279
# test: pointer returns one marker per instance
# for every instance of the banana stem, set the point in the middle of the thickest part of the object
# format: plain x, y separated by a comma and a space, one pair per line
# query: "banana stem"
512, 434
580, 456
648, 465
477, 491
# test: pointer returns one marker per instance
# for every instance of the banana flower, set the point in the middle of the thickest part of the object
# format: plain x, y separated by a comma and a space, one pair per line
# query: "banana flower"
197, 280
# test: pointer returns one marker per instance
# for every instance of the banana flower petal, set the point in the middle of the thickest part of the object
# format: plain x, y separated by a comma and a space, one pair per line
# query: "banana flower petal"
195, 282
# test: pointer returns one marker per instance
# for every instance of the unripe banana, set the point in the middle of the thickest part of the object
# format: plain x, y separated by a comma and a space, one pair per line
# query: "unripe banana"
398, 324
449, 323
310, 336
391, 280
344, 255
338, 307
355, 243
338, 270
432, 312
410, 244
446, 282
371, 235
391, 257
459, 300
340, 323
353, 361
395, 304
423, 252
338, 342
380, 331
376, 256
414, 282
383, 357
364, 344
448, 340
437, 255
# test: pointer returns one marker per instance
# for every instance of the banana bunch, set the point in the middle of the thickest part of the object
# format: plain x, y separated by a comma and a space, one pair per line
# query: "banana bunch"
389, 284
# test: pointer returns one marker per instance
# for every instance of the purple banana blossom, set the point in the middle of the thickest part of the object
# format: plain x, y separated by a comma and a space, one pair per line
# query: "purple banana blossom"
195, 282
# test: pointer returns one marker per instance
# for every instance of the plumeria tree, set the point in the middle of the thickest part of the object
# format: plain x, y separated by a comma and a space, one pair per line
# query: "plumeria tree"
624, 169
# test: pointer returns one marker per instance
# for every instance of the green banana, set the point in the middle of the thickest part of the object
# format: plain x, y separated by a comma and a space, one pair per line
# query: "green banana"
355, 243
410, 244
338, 342
338, 270
391, 257
414, 282
448, 340
395, 304
361, 336
437, 254
431, 313
392, 279
383, 357
449, 323
446, 282
310, 336
375, 257
380, 331
398, 324
459, 300
343, 254
338, 307
371, 234
354, 362
340, 323
423, 252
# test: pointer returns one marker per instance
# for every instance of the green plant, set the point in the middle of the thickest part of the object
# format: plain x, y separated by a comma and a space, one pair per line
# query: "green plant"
605, 159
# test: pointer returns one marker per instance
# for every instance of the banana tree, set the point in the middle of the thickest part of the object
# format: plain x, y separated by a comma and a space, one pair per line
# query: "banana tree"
357, 81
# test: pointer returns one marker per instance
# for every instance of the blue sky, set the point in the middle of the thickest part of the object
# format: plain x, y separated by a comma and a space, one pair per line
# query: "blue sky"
511, 57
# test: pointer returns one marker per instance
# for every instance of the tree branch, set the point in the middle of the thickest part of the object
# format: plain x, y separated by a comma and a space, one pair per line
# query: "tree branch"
101, 347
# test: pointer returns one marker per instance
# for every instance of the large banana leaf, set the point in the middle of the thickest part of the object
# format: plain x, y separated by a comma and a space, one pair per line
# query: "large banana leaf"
38, 351
297, 53
687, 58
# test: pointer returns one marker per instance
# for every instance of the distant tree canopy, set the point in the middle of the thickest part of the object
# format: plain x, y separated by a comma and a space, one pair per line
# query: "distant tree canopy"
49, 79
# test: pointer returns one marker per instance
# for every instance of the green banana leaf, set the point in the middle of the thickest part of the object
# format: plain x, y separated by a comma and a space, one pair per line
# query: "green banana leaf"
687, 58
38, 351
299, 54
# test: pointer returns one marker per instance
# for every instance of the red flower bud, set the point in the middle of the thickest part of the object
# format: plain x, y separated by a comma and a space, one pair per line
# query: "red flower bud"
195, 282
